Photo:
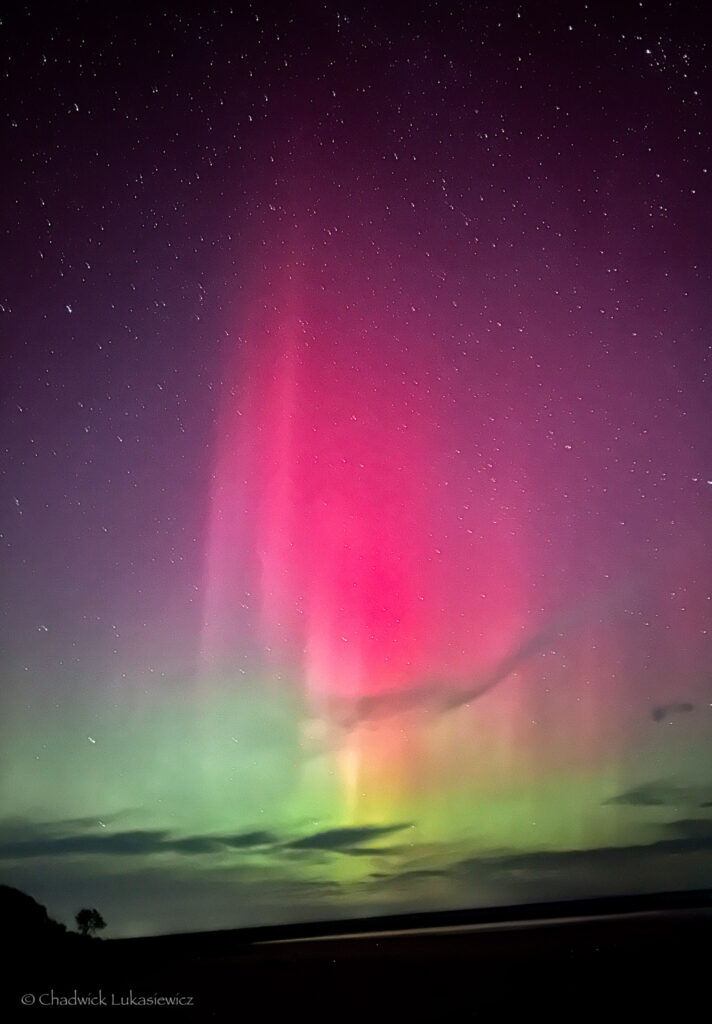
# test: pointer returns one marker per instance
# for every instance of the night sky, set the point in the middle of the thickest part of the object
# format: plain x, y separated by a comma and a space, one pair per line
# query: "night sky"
356, 516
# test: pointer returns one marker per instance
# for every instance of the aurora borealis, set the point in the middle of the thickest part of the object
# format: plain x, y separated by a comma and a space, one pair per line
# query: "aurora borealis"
357, 479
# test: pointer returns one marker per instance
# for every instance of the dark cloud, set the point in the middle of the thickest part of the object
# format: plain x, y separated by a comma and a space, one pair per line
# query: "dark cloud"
341, 839
695, 837
443, 695
193, 844
665, 711
375, 851
658, 793
680, 857
440, 696
23, 839
249, 839
399, 878
683, 848
694, 829
424, 873
118, 844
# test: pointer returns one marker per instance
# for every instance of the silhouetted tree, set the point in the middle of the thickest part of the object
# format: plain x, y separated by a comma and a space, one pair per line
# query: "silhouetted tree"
89, 921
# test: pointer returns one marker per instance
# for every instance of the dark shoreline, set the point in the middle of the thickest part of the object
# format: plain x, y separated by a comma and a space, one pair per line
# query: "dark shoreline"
614, 951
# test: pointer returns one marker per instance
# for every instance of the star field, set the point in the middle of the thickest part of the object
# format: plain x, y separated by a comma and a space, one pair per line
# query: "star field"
357, 471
